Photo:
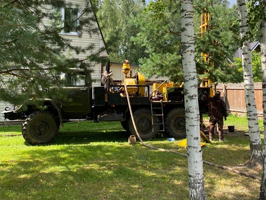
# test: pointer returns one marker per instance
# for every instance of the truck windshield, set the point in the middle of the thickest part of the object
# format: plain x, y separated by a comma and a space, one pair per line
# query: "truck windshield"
76, 79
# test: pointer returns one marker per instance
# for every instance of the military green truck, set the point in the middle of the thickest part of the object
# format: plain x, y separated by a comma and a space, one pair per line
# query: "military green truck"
153, 111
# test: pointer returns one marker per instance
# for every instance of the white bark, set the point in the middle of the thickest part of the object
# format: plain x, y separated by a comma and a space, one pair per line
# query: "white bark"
256, 153
195, 163
263, 67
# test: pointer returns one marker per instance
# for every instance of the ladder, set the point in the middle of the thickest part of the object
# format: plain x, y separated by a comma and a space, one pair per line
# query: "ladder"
157, 111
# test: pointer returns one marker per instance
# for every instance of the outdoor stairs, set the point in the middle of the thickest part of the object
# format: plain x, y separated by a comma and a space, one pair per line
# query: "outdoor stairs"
157, 111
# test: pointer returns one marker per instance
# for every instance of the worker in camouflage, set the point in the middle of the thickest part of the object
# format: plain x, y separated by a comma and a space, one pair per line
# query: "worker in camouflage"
216, 112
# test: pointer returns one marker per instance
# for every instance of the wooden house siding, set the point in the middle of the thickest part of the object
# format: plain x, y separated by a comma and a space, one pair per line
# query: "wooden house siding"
118, 74
86, 39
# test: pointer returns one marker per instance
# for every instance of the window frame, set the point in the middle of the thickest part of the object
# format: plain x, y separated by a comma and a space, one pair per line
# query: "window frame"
62, 13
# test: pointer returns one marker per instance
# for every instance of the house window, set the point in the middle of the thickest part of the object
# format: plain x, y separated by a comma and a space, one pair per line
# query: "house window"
70, 20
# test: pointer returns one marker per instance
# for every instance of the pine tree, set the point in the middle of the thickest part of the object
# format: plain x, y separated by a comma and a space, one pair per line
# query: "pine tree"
219, 42
33, 53
160, 35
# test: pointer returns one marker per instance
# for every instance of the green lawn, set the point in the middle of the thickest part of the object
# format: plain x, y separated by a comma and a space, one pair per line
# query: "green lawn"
94, 161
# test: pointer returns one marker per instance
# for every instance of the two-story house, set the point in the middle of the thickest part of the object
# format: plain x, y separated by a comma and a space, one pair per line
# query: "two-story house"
79, 38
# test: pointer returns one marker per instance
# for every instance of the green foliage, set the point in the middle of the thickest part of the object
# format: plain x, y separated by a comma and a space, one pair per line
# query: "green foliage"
256, 67
34, 53
150, 37
160, 35
255, 15
220, 42
116, 18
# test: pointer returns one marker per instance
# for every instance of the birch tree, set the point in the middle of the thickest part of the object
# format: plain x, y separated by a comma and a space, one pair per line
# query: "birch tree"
195, 163
263, 66
256, 152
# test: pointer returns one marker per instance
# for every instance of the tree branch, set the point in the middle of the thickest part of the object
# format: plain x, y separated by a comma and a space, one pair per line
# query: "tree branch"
174, 33
11, 3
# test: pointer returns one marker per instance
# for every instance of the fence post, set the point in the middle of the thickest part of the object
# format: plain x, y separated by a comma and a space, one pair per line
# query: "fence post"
225, 95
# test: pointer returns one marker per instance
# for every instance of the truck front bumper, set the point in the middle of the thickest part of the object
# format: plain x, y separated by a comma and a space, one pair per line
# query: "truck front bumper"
10, 114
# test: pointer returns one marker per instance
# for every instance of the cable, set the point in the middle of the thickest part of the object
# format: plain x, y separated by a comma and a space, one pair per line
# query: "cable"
136, 130
158, 86
175, 152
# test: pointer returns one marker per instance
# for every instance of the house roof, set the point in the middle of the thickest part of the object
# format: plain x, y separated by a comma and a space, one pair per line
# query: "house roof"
253, 46
121, 64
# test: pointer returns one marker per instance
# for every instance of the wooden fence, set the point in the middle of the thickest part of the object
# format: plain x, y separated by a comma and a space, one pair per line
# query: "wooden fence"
234, 97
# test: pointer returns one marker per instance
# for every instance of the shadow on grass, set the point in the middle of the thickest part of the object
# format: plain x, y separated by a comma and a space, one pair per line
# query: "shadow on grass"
110, 172
77, 137
93, 172
77, 165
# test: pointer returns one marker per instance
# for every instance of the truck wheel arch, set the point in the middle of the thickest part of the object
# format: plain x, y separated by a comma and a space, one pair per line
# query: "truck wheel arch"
57, 110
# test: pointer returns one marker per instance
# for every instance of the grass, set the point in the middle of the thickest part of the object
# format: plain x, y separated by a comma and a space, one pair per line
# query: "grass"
94, 161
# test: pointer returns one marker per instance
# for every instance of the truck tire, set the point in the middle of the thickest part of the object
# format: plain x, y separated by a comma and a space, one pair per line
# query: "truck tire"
40, 128
124, 125
143, 123
175, 123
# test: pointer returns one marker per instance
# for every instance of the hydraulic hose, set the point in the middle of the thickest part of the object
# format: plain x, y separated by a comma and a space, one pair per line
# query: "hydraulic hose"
136, 130
175, 152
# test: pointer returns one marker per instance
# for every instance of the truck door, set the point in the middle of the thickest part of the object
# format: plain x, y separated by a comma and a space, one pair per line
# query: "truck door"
78, 102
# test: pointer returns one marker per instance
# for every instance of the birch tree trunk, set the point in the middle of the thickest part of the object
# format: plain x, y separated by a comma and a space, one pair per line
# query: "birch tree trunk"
256, 153
195, 163
263, 67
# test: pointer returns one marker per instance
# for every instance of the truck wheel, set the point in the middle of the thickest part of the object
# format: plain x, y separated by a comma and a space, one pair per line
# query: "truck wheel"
40, 128
124, 125
143, 123
175, 123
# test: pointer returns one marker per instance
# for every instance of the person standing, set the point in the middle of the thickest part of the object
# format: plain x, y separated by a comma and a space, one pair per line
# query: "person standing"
216, 112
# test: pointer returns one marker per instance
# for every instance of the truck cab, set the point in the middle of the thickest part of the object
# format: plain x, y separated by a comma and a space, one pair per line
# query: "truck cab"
42, 122
77, 104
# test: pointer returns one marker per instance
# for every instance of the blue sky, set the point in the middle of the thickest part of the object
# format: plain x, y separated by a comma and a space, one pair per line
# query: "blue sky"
232, 2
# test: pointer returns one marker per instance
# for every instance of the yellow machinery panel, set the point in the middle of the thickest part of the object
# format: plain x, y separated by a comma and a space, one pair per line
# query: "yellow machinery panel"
141, 80
162, 88
131, 89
